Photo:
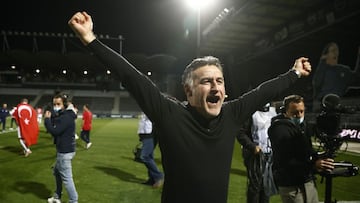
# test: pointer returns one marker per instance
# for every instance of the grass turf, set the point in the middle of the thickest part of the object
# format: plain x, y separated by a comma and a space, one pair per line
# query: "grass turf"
107, 173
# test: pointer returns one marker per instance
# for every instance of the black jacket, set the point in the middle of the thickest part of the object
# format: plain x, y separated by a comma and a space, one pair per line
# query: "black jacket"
62, 128
292, 152
245, 138
196, 152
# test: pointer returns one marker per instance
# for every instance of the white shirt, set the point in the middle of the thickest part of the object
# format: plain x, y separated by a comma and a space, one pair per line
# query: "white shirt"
145, 125
259, 128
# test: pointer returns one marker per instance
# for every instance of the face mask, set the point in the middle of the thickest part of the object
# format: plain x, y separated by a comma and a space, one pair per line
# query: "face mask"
57, 108
297, 121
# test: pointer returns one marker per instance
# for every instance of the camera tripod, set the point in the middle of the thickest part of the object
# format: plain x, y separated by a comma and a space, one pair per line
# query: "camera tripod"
328, 189
343, 169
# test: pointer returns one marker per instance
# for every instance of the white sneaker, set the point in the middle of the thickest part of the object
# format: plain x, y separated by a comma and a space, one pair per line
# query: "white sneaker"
88, 145
76, 136
27, 152
53, 200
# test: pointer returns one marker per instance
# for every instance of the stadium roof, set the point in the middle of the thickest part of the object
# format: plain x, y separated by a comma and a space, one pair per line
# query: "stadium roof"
246, 29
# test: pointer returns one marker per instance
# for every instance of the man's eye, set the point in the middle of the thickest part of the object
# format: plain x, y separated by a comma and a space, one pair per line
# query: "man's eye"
205, 81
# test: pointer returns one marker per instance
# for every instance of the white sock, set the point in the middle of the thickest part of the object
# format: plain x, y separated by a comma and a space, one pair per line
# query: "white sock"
22, 142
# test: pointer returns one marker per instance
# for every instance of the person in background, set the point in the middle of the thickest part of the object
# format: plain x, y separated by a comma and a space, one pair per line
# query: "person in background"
196, 137
39, 113
86, 126
256, 151
28, 130
295, 161
13, 120
62, 128
145, 132
331, 77
4, 112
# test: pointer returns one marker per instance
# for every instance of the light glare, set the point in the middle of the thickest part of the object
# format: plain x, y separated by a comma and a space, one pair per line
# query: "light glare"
199, 4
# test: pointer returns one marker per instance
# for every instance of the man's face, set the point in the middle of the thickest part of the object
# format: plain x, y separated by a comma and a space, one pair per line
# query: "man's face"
207, 93
334, 51
58, 103
295, 110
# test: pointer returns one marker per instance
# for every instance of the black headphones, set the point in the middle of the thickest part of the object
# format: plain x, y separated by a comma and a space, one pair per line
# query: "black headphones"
65, 100
287, 100
63, 97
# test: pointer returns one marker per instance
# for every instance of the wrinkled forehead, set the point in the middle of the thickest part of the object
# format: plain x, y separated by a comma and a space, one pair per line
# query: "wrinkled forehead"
207, 71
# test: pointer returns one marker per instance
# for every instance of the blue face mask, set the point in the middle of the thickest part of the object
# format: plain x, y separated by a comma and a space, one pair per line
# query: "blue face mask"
57, 108
297, 121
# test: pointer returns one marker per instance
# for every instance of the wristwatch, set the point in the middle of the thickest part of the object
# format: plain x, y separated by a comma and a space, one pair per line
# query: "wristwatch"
297, 73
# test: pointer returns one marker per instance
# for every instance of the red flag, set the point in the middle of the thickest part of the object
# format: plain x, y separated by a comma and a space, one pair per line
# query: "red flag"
26, 118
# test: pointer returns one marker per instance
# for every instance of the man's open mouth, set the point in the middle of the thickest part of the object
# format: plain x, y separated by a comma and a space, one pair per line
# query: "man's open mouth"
212, 99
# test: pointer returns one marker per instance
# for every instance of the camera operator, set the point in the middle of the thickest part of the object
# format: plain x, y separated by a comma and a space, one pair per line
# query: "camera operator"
295, 161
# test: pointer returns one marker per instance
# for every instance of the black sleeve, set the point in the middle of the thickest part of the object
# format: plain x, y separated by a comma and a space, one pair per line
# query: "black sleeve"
244, 136
147, 95
265, 92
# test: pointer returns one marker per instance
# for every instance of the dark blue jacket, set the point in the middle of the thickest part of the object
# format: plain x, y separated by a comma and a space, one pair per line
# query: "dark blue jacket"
4, 113
62, 128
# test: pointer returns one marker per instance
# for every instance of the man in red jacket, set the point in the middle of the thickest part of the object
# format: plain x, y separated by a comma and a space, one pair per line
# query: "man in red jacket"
86, 126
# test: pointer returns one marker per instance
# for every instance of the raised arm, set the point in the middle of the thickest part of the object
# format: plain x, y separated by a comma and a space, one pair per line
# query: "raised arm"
271, 89
302, 66
82, 24
139, 85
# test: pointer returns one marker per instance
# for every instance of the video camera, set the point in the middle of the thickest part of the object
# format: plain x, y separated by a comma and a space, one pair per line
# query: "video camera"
328, 128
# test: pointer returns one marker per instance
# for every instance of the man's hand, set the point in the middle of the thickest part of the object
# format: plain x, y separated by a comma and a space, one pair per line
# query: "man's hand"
82, 24
303, 66
257, 149
47, 114
324, 165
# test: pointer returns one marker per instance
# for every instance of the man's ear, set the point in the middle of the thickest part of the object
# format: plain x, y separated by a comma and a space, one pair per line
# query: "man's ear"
187, 90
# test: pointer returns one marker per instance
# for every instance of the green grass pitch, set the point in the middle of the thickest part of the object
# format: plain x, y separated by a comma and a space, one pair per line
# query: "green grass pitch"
107, 173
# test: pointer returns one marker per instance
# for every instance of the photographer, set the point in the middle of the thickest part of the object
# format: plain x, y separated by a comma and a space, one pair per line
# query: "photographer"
295, 161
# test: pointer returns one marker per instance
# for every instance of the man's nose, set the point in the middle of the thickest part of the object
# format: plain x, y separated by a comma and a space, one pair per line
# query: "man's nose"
214, 84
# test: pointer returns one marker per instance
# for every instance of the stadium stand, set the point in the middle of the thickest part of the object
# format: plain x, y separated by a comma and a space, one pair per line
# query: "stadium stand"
103, 104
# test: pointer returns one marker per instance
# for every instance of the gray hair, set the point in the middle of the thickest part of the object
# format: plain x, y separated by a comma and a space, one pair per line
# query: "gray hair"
187, 77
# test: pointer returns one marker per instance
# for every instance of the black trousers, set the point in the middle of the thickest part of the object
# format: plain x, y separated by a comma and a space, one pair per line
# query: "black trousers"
85, 135
255, 168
